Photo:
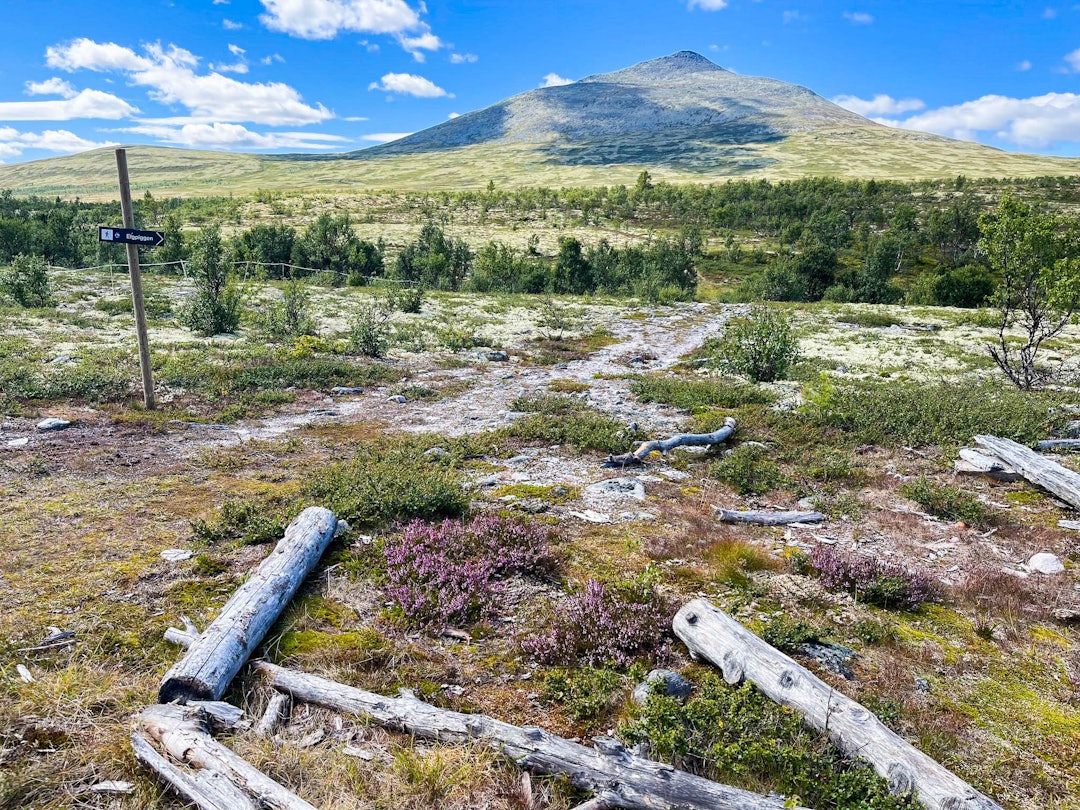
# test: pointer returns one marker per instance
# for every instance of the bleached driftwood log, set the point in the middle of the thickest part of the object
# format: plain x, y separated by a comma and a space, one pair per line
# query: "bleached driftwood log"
221, 779
637, 457
972, 462
276, 708
713, 635
768, 518
1058, 444
1042, 472
617, 777
215, 657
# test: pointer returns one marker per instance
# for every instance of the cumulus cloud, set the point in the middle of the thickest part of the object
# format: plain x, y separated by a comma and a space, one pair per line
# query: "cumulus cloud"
880, 104
51, 87
231, 25
463, 58
555, 80
409, 84
170, 74
325, 19
13, 142
858, 17
234, 136
384, 137
707, 5
85, 104
1073, 60
453, 115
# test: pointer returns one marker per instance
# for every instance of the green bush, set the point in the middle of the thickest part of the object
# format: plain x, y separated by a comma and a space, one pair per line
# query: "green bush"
216, 306
948, 502
291, 316
692, 394
749, 470
737, 736
26, 281
761, 346
582, 430
369, 330
942, 413
244, 522
585, 693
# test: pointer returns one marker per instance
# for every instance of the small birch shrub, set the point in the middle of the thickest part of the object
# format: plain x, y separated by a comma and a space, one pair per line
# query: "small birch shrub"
761, 347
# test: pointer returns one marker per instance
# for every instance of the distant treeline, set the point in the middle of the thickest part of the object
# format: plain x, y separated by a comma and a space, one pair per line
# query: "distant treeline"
801, 240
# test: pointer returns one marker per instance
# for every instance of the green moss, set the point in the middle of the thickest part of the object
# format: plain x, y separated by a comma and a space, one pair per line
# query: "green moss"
556, 493
356, 648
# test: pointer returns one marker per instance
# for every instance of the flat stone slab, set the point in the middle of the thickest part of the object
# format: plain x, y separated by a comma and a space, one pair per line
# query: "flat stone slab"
617, 488
53, 423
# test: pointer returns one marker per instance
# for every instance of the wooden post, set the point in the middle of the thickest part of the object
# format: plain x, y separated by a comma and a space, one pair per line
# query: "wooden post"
217, 654
136, 282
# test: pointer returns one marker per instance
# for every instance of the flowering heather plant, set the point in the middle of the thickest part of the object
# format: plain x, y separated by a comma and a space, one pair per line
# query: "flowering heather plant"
448, 573
878, 583
600, 625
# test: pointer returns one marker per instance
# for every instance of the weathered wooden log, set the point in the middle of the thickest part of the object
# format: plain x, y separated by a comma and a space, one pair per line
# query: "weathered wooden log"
617, 777
207, 790
972, 462
1041, 472
1069, 445
212, 661
768, 518
182, 733
713, 635
276, 708
638, 456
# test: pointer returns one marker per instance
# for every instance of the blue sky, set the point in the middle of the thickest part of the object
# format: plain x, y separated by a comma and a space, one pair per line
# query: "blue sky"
339, 75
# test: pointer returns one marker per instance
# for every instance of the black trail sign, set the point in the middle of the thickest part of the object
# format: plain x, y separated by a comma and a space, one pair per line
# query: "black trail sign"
130, 236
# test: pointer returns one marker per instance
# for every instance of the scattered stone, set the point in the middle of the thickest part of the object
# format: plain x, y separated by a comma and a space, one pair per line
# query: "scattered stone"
617, 488
561, 366
833, 657
519, 460
559, 491
24, 673
591, 517
177, 554
341, 528
112, 786
1045, 563
345, 390
53, 423
399, 399
674, 686
494, 357
534, 506
61, 360
438, 453
672, 474
922, 686
1074, 525
488, 481
15, 443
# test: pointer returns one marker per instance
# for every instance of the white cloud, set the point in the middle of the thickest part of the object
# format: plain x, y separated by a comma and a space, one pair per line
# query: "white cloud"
230, 25
234, 136
423, 41
1024, 65
384, 137
880, 104
51, 87
240, 66
355, 118
452, 116
1028, 122
463, 58
410, 85
707, 5
555, 80
170, 75
323, 19
86, 104
859, 17
236, 50
1073, 60
13, 143
269, 60
794, 16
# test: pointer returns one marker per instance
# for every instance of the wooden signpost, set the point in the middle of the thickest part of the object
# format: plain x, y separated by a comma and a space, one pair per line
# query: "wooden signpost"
133, 238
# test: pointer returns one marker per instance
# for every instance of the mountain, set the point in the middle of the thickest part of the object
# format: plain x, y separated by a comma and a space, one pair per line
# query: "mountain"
681, 117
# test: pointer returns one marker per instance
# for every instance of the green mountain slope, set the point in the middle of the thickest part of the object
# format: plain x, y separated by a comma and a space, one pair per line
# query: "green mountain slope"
681, 117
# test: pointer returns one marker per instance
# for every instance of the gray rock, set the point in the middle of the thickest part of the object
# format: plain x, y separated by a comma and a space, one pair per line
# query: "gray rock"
561, 366
16, 443
488, 481
922, 686
833, 657
437, 453
341, 528
519, 460
617, 488
1041, 563
177, 554
494, 357
53, 423
534, 506
61, 360
674, 686
399, 399
345, 390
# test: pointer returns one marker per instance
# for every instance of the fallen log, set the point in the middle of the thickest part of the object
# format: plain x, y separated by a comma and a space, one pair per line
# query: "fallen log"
768, 518
183, 734
972, 462
637, 457
713, 635
613, 774
272, 717
1041, 472
1058, 444
216, 655
207, 790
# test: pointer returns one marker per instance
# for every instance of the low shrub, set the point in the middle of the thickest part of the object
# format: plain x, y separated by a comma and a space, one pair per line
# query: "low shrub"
246, 523
26, 281
692, 394
951, 503
291, 316
885, 585
585, 693
369, 329
601, 624
788, 635
407, 298
761, 346
737, 736
447, 574
749, 470
581, 429
383, 485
